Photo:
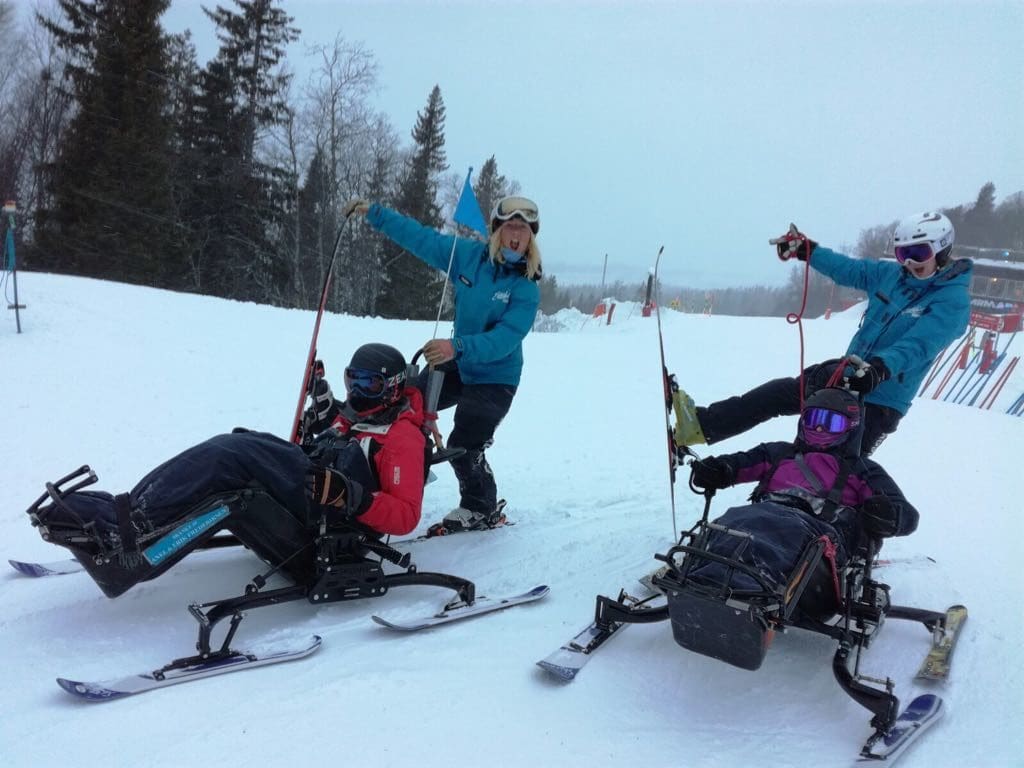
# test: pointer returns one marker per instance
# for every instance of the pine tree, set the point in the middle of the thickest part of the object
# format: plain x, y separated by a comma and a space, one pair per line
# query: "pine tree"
112, 214
365, 257
369, 251
182, 115
317, 223
490, 186
11, 140
551, 299
979, 220
243, 200
1010, 218
412, 289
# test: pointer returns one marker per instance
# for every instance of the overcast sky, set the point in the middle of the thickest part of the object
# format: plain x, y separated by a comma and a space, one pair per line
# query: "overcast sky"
703, 126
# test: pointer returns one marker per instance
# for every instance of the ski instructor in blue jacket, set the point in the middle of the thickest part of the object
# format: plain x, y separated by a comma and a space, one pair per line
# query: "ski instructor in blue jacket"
496, 299
917, 306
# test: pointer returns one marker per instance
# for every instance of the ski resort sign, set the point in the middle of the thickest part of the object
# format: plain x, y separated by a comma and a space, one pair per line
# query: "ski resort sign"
1008, 323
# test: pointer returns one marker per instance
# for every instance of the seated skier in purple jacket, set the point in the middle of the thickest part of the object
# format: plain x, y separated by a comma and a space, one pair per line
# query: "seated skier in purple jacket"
817, 485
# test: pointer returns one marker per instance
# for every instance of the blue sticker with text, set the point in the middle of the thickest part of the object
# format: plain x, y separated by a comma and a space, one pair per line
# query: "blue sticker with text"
183, 535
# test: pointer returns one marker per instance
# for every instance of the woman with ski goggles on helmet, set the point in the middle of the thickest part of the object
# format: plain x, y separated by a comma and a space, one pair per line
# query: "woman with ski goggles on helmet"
917, 305
496, 299
923, 243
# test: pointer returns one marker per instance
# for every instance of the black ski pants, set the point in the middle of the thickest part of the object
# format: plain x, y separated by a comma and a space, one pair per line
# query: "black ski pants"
479, 409
781, 397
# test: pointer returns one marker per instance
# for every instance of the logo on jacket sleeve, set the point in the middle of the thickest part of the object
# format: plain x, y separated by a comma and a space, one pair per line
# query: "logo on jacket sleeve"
501, 296
396, 476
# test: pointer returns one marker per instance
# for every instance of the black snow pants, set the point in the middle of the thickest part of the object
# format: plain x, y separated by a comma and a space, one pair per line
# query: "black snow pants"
192, 496
479, 409
781, 397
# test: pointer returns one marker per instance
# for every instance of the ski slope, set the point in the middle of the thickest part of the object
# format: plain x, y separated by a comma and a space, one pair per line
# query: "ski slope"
123, 377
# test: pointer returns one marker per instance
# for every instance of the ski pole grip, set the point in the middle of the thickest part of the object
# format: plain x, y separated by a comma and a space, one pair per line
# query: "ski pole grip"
793, 232
433, 394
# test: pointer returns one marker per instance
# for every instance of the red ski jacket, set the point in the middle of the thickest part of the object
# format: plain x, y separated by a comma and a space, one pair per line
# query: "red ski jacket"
396, 452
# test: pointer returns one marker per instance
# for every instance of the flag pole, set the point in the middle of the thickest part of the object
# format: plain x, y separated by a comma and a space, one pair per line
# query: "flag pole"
451, 258
435, 378
444, 290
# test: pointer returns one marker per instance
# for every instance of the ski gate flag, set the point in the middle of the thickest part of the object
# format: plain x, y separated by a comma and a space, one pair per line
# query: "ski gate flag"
467, 211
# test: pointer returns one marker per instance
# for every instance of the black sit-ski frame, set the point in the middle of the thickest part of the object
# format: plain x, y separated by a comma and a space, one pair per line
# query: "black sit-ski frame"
864, 608
348, 565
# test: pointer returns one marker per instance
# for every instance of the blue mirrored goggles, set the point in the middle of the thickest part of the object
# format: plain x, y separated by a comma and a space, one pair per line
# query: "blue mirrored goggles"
824, 420
918, 252
370, 384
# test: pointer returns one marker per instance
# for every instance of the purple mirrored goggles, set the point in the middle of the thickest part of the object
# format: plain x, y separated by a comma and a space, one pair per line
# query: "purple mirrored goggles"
824, 420
918, 252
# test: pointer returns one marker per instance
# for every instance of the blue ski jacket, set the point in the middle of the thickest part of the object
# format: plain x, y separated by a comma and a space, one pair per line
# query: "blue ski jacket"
908, 322
495, 305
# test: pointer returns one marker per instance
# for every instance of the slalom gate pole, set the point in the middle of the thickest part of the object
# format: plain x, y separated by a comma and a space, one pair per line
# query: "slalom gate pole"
978, 387
990, 399
1017, 405
961, 358
10, 208
939, 365
958, 385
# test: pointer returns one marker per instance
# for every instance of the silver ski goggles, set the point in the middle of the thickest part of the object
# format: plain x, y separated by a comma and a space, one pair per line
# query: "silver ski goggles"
510, 207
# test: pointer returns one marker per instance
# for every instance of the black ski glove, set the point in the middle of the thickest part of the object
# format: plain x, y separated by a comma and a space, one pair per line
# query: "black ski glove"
362, 482
881, 516
713, 473
321, 413
793, 245
866, 379
331, 490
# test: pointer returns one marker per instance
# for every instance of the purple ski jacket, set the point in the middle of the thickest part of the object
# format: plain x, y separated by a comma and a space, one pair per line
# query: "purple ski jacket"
793, 470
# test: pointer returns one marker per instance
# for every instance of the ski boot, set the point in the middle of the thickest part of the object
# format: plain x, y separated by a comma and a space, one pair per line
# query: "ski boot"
687, 431
461, 519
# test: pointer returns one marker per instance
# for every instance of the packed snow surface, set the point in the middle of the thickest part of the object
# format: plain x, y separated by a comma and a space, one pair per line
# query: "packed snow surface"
123, 377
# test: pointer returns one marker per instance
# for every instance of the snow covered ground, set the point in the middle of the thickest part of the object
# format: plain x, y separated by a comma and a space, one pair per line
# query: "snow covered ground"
124, 377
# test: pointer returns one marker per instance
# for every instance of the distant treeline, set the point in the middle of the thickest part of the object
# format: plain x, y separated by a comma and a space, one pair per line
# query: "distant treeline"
129, 161
983, 229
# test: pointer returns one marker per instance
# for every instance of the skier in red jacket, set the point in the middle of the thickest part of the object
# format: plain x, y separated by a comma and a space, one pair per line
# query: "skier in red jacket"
381, 424
361, 462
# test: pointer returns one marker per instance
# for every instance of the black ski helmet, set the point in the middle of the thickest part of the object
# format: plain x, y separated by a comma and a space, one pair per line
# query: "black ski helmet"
375, 377
829, 417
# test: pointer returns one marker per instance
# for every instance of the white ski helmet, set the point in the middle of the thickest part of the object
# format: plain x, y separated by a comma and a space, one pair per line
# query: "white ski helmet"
929, 227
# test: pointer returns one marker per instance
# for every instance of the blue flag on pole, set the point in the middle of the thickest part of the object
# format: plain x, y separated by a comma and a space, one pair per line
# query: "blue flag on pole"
467, 212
